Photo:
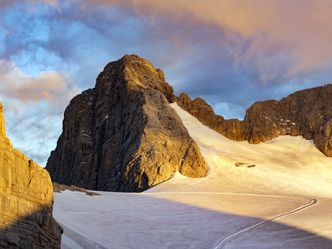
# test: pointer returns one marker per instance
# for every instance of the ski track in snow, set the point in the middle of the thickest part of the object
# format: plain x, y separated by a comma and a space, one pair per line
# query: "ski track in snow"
231, 237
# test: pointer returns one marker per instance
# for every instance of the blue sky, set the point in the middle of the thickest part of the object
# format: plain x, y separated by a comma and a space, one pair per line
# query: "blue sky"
231, 52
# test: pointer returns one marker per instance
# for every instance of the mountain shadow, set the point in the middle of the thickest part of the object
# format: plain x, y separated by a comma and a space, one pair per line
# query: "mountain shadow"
37, 230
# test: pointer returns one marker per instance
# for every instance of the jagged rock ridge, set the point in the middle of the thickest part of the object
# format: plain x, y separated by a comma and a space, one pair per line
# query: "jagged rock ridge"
123, 135
233, 128
26, 200
307, 113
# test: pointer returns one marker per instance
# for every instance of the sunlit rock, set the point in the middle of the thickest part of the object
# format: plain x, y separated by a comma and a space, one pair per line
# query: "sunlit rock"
26, 200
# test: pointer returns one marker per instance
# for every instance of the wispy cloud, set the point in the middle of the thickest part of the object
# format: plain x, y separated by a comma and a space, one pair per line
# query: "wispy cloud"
34, 107
301, 28
47, 86
7, 3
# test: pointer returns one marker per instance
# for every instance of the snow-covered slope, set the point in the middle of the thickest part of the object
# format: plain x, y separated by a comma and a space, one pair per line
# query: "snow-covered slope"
272, 195
284, 166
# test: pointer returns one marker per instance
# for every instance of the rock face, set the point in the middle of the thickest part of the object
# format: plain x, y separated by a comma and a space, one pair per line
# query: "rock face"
26, 200
123, 135
307, 113
199, 108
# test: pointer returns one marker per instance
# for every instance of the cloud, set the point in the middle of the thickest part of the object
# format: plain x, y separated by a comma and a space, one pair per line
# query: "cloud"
47, 86
6, 3
34, 107
273, 35
301, 28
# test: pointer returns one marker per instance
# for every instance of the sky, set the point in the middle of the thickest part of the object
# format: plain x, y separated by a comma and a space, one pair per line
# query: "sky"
230, 52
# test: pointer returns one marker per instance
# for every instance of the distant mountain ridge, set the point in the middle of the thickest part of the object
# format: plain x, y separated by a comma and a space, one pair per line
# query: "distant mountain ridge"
307, 113
123, 135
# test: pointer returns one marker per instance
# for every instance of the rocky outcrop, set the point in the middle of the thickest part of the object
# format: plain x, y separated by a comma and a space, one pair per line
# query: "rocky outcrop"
307, 113
123, 135
59, 188
26, 200
199, 108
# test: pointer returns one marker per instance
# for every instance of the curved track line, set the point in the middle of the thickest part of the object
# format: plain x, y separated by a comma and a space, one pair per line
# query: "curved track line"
238, 233
231, 237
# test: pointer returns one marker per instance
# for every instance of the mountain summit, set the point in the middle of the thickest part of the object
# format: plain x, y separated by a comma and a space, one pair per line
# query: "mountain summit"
123, 135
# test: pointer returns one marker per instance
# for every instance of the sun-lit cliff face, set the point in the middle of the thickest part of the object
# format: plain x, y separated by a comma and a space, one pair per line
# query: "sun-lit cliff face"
26, 200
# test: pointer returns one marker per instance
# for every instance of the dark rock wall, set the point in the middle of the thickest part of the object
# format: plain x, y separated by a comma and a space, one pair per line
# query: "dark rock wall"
123, 135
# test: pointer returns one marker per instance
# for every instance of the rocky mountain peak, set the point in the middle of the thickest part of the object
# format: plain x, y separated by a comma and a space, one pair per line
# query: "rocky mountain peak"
123, 135
138, 73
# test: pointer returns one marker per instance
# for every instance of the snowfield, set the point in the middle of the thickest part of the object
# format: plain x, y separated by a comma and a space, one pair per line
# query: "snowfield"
269, 195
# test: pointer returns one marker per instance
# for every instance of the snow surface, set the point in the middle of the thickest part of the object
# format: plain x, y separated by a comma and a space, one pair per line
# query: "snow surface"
269, 195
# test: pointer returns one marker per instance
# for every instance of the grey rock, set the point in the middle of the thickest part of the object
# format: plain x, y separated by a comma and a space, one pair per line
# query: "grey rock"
123, 135
232, 128
307, 113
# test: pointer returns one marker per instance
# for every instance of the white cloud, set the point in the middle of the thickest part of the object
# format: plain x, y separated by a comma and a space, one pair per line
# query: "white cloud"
33, 108
49, 86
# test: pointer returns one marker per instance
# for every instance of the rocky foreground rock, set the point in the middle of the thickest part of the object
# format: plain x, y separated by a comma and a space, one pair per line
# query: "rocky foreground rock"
307, 113
26, 200
123, 135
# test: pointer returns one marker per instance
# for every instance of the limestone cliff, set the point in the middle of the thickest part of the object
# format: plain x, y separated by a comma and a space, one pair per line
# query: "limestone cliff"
123, 135
307, 113
232, 128
26, 199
